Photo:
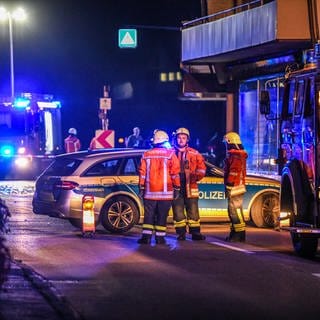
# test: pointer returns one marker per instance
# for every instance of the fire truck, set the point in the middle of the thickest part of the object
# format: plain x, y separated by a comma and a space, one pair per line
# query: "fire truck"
299, 150
30, 135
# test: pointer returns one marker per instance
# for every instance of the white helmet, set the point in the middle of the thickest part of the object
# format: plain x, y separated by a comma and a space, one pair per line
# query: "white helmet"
160, 136
72, 131
183, 131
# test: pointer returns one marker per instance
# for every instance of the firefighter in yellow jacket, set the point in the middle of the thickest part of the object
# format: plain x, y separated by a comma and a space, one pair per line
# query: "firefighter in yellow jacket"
235, 176
159, 183
192, 170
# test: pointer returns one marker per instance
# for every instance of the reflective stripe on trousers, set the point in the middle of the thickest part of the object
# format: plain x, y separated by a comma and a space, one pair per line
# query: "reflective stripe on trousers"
155, 216
186, 212
235, 213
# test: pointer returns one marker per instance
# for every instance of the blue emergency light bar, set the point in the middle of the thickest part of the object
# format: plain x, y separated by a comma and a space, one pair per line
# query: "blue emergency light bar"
21, 103
6, 151
25, 103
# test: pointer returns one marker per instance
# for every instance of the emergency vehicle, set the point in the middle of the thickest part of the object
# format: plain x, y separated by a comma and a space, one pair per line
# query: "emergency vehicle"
30, 134
298, 154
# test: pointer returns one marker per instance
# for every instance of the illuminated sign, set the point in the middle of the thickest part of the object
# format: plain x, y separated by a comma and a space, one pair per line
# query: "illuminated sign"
127, 38
48, 105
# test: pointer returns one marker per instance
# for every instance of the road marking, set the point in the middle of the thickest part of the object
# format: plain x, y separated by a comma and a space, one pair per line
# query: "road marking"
220, 244
65, 281
316, 274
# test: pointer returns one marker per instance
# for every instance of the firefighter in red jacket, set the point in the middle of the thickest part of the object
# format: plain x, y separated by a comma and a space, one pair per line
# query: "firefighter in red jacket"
159, 183
192, 170
72, 143
235, 175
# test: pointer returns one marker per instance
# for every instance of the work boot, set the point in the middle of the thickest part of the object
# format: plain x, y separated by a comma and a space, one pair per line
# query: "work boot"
181, 232
276, 225
232, 237
181, 237
198, 236
160, 240
242, 236
145, 239
236, 236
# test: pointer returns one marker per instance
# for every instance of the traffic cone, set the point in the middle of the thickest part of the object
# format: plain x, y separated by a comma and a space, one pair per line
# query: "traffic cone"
88, 221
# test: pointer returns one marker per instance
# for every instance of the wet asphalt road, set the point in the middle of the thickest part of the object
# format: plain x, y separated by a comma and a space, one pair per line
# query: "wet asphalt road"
112, 277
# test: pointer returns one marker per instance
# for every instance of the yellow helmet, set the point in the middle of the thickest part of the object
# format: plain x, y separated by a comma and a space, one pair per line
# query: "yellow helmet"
160, 136
183, 131
232, 138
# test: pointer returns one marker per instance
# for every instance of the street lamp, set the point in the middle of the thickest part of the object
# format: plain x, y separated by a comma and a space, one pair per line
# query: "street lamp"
16, 15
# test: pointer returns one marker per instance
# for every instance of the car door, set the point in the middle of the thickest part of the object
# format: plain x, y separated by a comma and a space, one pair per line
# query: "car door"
129, 174
212, 200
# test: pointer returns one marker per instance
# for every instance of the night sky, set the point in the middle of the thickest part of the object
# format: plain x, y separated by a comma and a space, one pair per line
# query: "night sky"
70, 49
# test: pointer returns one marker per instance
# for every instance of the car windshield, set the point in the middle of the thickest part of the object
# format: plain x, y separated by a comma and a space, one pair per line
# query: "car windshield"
62, 167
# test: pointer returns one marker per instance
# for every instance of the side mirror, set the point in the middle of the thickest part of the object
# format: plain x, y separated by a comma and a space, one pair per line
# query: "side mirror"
264, 102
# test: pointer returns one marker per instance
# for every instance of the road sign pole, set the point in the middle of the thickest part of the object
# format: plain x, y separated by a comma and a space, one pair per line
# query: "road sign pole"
105, 104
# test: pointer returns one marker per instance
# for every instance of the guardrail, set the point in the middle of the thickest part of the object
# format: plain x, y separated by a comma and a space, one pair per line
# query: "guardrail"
224, 13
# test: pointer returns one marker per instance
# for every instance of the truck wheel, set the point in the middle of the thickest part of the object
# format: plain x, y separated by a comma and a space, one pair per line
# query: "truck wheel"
264, 209
303, 245
119, 214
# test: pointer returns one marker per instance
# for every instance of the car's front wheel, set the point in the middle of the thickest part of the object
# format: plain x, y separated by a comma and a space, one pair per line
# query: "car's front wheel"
119, 214
265, 210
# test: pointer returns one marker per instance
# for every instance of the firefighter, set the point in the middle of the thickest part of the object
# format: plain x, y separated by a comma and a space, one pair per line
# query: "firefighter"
159, 183
72, 143
192, 170
235, 175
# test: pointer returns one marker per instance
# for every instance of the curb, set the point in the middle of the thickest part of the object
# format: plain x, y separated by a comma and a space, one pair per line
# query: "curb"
42, 286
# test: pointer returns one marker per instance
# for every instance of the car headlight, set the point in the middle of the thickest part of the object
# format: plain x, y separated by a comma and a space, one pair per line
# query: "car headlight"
22, 162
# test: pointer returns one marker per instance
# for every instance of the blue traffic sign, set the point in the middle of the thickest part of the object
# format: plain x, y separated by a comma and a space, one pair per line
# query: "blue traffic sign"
127, 38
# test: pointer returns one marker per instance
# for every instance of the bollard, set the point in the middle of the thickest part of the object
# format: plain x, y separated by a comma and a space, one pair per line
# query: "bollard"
88, 221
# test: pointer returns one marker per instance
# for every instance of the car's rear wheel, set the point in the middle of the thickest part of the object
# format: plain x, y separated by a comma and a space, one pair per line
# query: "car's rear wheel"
119, 214
265, 209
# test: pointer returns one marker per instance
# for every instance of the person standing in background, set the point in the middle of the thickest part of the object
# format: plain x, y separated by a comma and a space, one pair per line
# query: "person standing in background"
135, 140
72, 143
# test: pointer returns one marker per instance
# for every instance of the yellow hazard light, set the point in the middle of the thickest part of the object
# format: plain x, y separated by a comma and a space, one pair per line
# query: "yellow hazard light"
88, 204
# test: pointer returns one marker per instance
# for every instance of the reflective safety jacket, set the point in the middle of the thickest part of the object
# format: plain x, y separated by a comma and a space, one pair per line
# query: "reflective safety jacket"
158, 173
192, 170
235, 167
72, 144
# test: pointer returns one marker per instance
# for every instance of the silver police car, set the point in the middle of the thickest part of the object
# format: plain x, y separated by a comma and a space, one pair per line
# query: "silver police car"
111, 176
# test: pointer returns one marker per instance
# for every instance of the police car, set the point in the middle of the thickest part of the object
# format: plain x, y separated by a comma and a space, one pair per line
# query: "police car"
111, 176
